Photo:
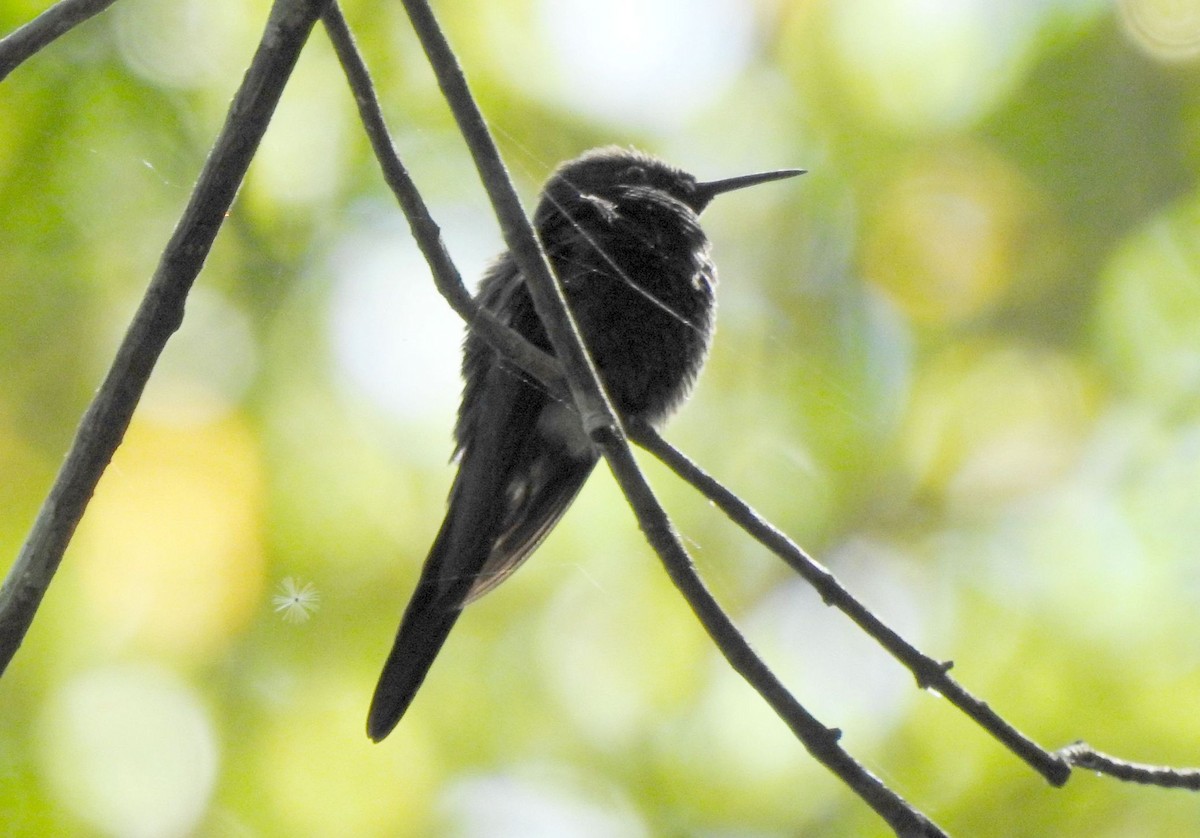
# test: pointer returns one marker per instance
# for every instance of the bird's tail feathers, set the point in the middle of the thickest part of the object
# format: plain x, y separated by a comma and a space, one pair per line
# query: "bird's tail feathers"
427, 623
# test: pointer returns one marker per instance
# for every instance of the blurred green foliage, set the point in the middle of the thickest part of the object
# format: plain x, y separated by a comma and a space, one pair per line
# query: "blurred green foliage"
959, 361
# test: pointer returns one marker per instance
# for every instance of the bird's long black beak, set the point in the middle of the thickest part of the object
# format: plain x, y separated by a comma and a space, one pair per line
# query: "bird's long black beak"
708, 190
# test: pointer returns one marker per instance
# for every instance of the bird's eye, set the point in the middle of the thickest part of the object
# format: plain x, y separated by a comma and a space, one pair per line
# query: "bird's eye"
636, 174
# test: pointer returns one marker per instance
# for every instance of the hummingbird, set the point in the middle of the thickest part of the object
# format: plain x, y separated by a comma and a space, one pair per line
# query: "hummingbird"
621, 229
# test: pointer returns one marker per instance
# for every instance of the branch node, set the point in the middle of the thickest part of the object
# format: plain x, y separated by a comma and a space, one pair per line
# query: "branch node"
929, 673
827, 586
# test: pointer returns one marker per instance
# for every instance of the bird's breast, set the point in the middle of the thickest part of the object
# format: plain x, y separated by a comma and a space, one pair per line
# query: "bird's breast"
647, 318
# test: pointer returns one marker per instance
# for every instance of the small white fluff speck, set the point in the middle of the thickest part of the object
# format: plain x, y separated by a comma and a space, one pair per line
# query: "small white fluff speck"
296, 601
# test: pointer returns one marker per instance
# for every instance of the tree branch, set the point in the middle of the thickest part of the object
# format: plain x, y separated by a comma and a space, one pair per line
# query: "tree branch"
929, 673
1085, 756
59, 19
821, 742
425, 230
586, 390
158, 316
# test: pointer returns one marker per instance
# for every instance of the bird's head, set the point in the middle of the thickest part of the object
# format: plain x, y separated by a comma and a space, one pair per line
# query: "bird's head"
612, 173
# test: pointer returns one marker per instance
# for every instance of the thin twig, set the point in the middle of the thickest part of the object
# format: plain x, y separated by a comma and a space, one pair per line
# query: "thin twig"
820, 741
425, 230
929, 673
602, 425
548, 301
159, 315
1083, 755
57, 20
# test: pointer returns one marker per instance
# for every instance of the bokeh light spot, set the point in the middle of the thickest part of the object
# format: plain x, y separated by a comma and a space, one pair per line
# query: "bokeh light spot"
930, 64
394, 338
131, 751
619, 698
1168, 30
948, 236
539, 802
649, 62
207, 366
186, 44
302, 159
170, 551
1148, 312
989, 422
318, 728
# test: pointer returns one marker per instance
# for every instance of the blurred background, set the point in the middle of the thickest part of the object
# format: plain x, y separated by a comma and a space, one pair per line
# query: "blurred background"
959, 362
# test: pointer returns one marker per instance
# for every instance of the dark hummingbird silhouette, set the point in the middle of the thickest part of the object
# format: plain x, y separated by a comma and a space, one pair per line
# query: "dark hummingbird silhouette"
622, 232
